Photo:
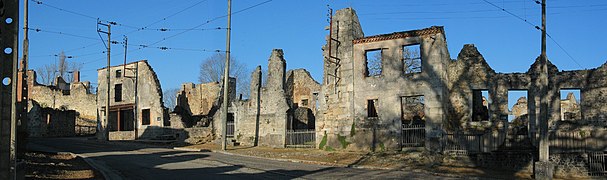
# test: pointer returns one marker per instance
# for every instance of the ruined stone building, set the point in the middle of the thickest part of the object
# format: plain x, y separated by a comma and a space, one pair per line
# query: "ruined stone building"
289, 100
198, 103
57, 110
374, 85
136, 107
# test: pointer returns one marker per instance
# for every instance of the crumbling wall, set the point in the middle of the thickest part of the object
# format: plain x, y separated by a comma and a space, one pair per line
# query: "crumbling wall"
302, 94
262, 120
200, 99
78, 97
149, 96
335, 118
50, 122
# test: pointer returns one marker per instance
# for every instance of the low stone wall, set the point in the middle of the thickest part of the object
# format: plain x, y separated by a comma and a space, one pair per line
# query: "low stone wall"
195, 135
48, 122
569, 165
121, 135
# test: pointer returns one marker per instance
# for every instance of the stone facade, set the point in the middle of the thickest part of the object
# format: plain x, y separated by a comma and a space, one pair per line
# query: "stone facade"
262, 120
302, 94
73, 96
363, 111
50, 122
136, 107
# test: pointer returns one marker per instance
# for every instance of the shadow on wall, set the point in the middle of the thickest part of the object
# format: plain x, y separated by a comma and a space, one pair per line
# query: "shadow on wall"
178, 136
49, 122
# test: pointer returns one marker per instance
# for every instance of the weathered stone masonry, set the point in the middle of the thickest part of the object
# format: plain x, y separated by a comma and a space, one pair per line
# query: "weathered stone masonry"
145, 108
350, 95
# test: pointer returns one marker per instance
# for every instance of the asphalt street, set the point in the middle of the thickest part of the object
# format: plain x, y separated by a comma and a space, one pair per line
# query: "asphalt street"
124, 160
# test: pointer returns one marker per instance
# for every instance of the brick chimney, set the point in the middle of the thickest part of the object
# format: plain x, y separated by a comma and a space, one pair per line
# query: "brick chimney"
76, 75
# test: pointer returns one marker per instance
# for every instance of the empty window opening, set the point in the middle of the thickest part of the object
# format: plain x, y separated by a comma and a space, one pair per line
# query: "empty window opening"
480, 105
230, 125
412, 59
518, 109
372, 108
118, 92
145, 116
373, 60
118, 73
304, 103
571, 100
125, 119
412, 110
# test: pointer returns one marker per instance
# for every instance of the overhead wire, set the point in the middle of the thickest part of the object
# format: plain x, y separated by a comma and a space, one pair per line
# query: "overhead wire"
538, 28
61, 33
64, 10
169, 16
204, 23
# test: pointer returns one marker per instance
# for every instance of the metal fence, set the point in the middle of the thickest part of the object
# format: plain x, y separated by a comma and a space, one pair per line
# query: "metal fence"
596, 164
462, 144
414, 135
301, 138
230, 129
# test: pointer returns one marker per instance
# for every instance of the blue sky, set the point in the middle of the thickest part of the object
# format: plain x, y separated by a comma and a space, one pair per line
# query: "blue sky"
507, 43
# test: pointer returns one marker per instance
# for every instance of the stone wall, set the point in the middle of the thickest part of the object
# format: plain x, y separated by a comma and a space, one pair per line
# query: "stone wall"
77, 97
302, 94
262, 120
470, 72
201, 99
138, 75
49, 122
346, 116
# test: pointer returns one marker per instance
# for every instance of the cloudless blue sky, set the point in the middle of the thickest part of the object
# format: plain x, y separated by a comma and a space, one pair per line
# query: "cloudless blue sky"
507, 43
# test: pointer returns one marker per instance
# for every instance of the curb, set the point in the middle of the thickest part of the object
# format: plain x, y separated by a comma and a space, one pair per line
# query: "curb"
105, 171
315, 162
284, 160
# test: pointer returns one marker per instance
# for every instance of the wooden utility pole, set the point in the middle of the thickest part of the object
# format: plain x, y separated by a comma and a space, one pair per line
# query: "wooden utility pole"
104, 130
226, 79
9, 41
544, 144
544, 169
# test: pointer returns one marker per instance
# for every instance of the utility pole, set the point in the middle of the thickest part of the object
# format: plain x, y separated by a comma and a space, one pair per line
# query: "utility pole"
544, 169
544, 91
22, 91
226, 73
9, 41
104, 129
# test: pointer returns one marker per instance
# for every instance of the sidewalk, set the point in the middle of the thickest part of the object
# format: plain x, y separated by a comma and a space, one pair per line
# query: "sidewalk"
415, 161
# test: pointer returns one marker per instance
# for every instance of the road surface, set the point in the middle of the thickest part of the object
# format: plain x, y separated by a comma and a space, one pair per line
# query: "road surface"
137, 161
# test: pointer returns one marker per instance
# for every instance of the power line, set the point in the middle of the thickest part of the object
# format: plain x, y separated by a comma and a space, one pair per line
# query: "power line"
538, 28
169, 16
176, 29
209, 21
60, 33
64, 10
522, 19
561, 47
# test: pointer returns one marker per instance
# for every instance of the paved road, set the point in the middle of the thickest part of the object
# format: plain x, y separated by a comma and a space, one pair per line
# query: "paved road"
138, 161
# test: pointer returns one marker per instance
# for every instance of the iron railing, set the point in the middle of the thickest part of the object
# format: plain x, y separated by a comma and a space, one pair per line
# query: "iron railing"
230, 129
301, 138
414, 135
596, 164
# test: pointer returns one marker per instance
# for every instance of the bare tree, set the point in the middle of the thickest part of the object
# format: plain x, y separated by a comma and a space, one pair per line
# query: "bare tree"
211, 70
48, 72
169, 97
412, 60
